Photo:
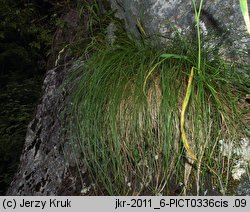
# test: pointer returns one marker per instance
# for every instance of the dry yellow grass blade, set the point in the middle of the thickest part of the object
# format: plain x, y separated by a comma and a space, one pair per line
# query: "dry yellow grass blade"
60, 53
184, 106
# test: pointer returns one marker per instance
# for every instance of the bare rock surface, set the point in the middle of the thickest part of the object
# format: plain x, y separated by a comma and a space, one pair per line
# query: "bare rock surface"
44, 169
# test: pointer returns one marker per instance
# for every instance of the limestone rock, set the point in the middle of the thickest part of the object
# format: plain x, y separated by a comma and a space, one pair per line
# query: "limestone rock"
44, 169
222, 23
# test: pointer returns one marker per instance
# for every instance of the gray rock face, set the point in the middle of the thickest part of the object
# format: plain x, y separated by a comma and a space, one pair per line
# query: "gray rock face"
44, 168
222, 24
244, 187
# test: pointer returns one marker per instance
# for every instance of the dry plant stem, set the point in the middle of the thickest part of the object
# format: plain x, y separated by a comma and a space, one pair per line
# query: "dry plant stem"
187, 172
223, 191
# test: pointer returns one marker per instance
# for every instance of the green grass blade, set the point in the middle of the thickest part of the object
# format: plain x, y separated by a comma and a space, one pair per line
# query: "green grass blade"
245, 13
174, 56
149, 73
141, 28
164, 56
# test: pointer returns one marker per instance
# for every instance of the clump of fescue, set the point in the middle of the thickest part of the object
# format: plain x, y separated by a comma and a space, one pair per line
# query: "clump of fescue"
129, 129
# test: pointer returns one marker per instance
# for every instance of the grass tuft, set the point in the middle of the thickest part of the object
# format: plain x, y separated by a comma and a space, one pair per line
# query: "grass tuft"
126, 107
